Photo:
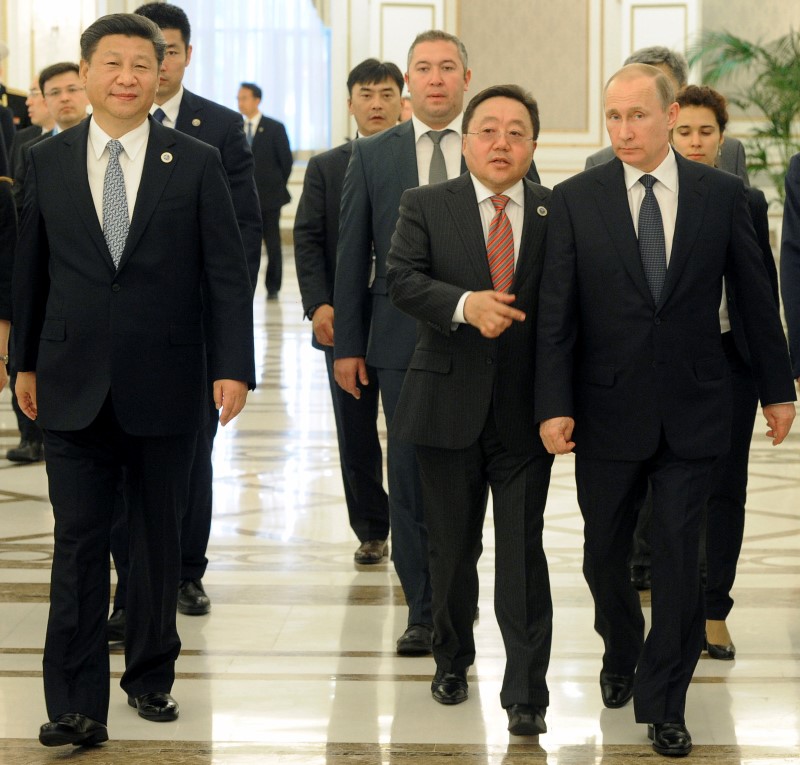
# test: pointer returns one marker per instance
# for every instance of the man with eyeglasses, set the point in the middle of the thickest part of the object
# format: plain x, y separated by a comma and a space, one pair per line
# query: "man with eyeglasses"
465, 262
65, 98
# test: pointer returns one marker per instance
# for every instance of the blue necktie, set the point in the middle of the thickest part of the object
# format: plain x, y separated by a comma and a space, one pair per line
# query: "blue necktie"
249, 133
159, 114
652, 247
115, 203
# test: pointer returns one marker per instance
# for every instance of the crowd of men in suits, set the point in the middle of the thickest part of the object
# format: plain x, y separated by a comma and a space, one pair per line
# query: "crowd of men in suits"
499, 323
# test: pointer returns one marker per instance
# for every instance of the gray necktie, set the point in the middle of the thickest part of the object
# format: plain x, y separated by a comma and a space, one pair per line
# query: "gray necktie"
115, 203
159, 114
438, 169
652, 247
249, 133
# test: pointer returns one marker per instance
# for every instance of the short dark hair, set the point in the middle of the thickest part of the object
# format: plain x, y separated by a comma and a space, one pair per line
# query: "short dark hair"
54, 70
504, 91
437, 35
658, 54
371, 72
253, 88
702, 95
167, 16
127, 24
663, 85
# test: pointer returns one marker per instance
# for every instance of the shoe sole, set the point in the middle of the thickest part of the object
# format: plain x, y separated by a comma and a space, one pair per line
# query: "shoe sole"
526, 730
414, 651
618, 704
448, 702
62, 739
368, 561
193, 610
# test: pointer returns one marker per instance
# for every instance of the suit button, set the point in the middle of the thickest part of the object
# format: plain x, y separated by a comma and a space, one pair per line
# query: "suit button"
489, 362
115, 288
657, 321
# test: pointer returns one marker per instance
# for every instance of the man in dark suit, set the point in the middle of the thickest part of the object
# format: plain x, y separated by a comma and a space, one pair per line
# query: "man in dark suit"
790, 261
466, 262
273, 164
631, 374
732, 158
112, 282
12, 99
220, 127
374, 101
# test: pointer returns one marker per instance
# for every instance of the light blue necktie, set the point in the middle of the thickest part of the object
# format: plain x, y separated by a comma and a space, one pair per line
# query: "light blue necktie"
652, 247
115, 203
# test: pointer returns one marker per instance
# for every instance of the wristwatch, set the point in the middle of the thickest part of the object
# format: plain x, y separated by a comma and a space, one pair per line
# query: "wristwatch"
4, 358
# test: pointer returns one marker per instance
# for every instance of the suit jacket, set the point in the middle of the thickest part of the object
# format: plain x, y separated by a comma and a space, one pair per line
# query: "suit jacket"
456, 377
316, 226
88, 329
627, 369
8, 241
221, 127
21, 138
790, 260
731, 160
273, 159
20, 169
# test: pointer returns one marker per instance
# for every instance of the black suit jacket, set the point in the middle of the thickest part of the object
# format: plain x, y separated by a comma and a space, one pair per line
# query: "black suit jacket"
20, 169
221, 127
456, 377
273, 159
88, 329
21, 137
790, 260
627, 369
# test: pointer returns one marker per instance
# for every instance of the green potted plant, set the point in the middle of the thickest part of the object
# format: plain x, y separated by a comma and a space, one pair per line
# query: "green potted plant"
764, 77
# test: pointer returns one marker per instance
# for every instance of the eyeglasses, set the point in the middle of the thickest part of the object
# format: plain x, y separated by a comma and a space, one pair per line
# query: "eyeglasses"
490, 135
56, 92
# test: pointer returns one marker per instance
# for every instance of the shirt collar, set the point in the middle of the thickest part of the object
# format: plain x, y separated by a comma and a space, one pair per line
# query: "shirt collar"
420, 128
132, 142
171, 107
666, 173
516, 192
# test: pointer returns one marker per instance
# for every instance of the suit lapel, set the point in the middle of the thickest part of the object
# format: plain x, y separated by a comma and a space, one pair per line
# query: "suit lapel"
533, 232
404, 155
190, 117
463, 206
158, 165
73, 158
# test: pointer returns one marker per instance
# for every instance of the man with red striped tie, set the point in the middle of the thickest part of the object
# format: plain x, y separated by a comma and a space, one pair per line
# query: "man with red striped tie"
465, 262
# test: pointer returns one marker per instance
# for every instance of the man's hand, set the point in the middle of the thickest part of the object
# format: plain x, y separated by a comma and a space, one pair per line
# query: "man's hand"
779, 419
322, 324
26, 393
230, 396
349, 371
556, 434
3, 376
490, 312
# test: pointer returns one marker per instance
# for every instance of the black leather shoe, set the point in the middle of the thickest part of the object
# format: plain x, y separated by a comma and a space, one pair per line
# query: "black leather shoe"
415, 641
450, 687
26, 451
192, 598
74, 729
640, 577
525, 720
720, 652
617, 690
670, 739
115, 626
156, 707
371, 551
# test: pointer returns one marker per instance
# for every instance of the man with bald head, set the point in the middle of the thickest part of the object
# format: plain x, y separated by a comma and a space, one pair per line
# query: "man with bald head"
631, 376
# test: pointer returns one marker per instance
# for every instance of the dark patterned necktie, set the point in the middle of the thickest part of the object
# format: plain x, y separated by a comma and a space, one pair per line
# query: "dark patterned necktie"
159, 115
652, 247
438, 168
500, 246
115, 203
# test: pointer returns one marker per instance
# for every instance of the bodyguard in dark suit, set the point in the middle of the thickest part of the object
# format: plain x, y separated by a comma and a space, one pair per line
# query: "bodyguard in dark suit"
631, 374
111, 284
374, 90
466, 263
273, 164
790, 261
220, 127
381, 168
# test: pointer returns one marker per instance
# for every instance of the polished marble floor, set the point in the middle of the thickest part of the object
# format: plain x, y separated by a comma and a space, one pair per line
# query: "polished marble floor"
296, 662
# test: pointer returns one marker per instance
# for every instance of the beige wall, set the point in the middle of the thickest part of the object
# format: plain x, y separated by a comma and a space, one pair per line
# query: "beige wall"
530, 44
752, 19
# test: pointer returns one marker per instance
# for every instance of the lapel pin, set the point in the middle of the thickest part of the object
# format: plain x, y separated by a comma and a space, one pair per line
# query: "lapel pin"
196, 122
166, 157
542, 210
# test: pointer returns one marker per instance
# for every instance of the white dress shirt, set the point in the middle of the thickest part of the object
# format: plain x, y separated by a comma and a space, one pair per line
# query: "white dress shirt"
170, 109
451, 148
131, 161
515, 211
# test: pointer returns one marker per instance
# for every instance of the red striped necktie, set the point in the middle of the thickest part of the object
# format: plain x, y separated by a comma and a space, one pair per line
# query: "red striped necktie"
500, 246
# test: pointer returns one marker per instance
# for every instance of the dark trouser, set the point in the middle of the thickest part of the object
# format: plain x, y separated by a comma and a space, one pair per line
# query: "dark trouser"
360, 456
83, 469
271, 225
609, 494
409, 536
454, 485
